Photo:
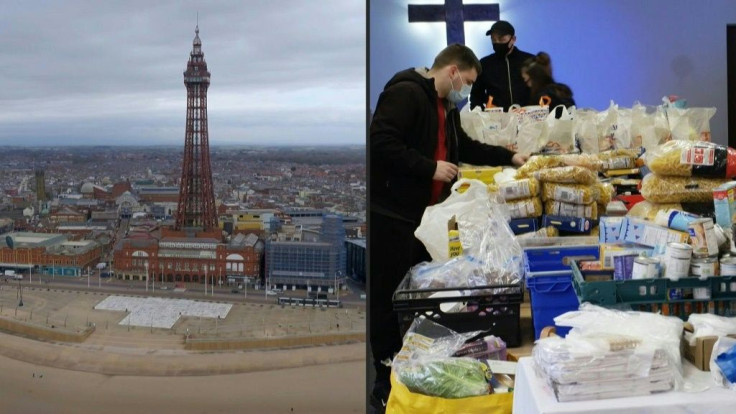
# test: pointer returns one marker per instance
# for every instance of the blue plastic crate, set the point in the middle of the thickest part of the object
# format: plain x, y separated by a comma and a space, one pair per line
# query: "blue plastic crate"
557, 258
552, 294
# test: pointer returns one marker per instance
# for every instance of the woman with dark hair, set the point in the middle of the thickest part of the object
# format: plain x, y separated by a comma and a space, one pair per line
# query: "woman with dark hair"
537, 73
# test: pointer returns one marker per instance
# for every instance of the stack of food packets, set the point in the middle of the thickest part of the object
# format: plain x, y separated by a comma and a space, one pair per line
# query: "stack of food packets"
611, 354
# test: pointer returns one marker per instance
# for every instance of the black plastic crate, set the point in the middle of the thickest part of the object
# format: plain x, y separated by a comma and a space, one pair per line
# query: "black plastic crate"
495, 310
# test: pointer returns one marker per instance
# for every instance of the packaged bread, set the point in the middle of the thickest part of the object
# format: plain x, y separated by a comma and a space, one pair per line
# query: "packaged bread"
559, 208
514, 190
527, 207
570, 193
660, 189
692, 159
567, 175
538, 162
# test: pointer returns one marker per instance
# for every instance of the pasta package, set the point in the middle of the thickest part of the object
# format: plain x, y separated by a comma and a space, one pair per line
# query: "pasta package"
607, 192
692, 159
618, 159
538, 162
542, 233
567, 175
589, 161
527, 207
558, 208
570, 193
679, 189
648, 210
514, 190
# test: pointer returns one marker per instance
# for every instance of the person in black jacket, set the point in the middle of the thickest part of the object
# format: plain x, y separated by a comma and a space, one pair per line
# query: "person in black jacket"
501, 77
415, 144
537, 74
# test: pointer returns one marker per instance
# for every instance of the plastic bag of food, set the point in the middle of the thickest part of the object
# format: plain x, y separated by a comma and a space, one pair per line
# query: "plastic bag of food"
589, 161
527, 207
690, 124
586, 131
492, 128
516, 189
614, 128
567, 175
648, 210
446, 377
649, 126
559, 208
570, 193
542, 233
692, 158
679, 189
560, 133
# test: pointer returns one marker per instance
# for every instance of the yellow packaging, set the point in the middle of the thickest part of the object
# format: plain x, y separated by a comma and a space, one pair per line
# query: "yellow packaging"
570, 193
527, 207
517, 189
625, 171
484, 174
456, 247
559, 208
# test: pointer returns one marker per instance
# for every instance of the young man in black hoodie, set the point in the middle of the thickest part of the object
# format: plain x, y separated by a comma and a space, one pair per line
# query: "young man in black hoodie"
416, 142
501, 77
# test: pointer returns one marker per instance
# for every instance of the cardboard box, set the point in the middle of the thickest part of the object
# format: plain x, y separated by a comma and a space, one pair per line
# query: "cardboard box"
700, 353
646, 233
724, 201
610, 250
524, 225
575, 225
609, 229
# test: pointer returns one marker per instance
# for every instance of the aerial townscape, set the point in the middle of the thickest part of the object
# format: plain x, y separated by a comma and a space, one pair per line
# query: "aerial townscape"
163, 262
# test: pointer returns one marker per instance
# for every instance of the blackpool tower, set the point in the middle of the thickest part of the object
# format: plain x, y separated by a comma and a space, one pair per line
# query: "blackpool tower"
196, 208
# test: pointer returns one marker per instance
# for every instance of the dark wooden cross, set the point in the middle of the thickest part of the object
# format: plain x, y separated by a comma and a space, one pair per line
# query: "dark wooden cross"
454, 14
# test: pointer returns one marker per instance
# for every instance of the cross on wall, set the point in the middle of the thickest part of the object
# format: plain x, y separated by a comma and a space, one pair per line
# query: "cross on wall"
454, 13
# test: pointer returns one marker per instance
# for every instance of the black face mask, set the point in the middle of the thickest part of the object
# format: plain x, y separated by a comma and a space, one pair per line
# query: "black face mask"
501, 48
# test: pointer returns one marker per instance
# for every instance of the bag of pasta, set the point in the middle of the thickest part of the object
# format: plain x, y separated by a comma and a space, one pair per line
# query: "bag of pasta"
679, 189
527, 207
618, 159
648, 210
692, 159
607, 192
538, 162
567, 175
570, 193
516, 189
559, 208
589, 161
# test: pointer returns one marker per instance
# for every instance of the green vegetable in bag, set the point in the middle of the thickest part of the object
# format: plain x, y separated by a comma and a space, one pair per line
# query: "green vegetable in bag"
447, 378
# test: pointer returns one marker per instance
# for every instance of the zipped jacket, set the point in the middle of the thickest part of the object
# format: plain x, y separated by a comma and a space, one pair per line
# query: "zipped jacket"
501, 78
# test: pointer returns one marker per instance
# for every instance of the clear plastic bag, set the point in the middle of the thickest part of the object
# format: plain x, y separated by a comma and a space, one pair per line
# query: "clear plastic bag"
570, 193
692, 159
707, 324
567, 175
679, 189
723, 362
559, 208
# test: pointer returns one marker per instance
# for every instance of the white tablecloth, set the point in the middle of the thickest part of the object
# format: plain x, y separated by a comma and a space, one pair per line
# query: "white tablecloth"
532, 396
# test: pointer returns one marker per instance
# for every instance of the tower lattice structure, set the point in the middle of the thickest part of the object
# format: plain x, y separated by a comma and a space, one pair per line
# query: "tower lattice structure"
196, 208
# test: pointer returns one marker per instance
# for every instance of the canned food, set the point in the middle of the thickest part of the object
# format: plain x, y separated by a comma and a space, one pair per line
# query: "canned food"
703, 237
701, 293
623, 266
677, 260
728, 266
704, 268
674, 294
645, 268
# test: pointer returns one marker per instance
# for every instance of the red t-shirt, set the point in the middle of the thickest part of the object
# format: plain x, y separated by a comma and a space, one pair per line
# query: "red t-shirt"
440, 154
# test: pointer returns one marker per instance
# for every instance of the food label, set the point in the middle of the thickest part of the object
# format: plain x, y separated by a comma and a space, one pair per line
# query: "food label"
571, 210
698, 156
618, 163
568, 195
515, 189
413, 342
522, 209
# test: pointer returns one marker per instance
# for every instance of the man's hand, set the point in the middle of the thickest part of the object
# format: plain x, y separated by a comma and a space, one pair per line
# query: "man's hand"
519, 159
445, 171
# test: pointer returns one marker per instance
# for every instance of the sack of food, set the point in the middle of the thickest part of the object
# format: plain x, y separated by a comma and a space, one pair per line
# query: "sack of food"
659, 189
692, 159
527, 207
559, 208
690, 124
570, 193
516, 189
567, 175
560, 131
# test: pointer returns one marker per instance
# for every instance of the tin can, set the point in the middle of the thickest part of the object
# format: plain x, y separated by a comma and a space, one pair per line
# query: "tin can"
645, 268
703, 237
704, 268
728, 266
623, 266
701, 293
674, 294
677, 260
675, 219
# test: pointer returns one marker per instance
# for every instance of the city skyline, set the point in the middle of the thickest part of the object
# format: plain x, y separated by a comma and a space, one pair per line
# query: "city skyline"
277, 78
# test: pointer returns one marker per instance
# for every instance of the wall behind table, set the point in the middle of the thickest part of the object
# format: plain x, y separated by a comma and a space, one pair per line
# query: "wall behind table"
621, 50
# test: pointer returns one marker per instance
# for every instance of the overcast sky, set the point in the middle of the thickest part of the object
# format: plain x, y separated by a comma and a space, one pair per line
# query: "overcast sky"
111, 72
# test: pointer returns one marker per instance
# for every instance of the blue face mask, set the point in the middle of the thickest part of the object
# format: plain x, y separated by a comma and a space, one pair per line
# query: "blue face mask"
461, 95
